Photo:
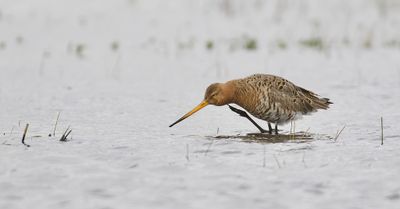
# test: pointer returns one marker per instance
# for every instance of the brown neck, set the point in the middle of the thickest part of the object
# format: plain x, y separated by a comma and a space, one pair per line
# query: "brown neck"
229, 89
242, 96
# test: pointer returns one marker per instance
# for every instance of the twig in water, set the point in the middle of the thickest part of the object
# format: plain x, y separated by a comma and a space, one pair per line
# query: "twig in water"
23, 136
333, 139
338, 134
277, 162
187, 152
55, 125
65, 135
381, 130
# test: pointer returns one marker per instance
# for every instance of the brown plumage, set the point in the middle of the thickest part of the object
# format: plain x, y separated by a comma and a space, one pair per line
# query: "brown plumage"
267, 97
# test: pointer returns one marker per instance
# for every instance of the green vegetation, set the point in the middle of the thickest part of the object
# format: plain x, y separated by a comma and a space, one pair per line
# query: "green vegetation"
250, 44
243, 42
3, 45
19, 39
114, 46
346, 41
209, 45
314, 43
281, 44
79, 49
189, 44
392, 44
367, 43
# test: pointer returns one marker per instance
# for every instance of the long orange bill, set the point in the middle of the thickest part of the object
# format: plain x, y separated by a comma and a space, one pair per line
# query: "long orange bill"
197, 108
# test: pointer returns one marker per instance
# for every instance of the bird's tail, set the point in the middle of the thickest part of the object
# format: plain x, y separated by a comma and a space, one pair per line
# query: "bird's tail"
315, 101
323, 103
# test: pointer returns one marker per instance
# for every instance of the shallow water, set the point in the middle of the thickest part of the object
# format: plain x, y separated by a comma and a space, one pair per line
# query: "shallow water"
121, 152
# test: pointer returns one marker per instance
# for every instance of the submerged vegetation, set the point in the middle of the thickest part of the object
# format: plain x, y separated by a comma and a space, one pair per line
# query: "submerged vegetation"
114, 46
392, 44
281, 44
314, 43
209, 45
250, 44
2, 45
79, 50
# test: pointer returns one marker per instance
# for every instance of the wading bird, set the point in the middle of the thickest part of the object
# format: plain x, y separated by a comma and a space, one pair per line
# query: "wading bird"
266, 97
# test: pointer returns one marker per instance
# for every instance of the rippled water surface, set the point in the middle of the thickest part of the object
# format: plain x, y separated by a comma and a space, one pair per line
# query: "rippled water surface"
119, 86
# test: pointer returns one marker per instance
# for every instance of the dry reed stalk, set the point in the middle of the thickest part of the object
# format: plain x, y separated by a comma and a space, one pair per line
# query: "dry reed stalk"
65, 135
381, 130
55, 125
338, 134
187, 152
23, 136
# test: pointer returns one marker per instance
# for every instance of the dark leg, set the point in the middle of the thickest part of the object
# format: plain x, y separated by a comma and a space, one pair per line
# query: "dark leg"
244, 114
270, 128
276, 128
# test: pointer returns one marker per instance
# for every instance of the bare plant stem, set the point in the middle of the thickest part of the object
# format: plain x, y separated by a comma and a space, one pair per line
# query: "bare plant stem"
187, 152
381, 130
68, 133
64, 138
338, 134
23, 136
65, 135
55, 125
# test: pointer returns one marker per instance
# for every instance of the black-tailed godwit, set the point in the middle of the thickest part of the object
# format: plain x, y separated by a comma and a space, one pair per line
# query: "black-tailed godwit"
266, 97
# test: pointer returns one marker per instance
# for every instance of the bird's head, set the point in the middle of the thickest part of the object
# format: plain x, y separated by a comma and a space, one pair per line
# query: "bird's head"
216, 94
219, 94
